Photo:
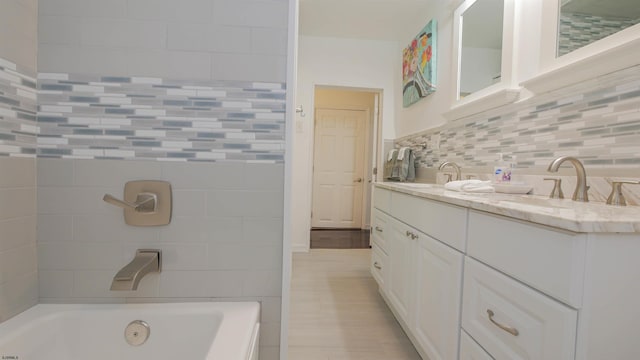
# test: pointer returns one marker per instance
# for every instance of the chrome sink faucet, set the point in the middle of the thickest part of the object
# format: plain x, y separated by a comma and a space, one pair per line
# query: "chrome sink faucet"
145, 261
453, 165
580, 193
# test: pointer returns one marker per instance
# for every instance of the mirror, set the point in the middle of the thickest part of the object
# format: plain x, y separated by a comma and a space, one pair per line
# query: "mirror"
484, 76
581, 40
481, 46
582, 22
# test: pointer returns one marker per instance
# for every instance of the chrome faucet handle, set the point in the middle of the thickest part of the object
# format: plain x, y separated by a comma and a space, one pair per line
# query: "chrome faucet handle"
471, 176
448, 175
145, 202
556, 193
616, 197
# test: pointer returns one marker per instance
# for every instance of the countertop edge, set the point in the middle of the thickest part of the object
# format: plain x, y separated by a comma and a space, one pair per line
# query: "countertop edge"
574, 217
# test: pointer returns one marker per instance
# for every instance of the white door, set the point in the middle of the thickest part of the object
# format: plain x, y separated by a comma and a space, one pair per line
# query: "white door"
338, 174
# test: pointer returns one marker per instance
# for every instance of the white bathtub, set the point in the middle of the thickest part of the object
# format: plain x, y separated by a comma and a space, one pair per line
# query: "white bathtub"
185, 331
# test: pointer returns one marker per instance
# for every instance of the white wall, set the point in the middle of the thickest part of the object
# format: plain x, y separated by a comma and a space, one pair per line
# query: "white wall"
338, 62
427, 113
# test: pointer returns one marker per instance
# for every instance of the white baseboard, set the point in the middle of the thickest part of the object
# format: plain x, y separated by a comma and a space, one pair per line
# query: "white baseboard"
299, 248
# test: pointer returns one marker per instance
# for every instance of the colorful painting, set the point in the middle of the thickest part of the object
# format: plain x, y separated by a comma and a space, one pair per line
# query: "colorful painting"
419, 66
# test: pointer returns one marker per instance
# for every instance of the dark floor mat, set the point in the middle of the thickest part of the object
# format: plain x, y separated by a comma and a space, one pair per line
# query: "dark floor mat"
339, 239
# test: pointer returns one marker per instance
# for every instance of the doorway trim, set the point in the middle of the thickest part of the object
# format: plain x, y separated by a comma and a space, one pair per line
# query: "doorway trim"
376, 127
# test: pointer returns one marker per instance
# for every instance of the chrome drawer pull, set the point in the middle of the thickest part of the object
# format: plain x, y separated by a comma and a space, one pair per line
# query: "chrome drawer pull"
509, 329
375, 265
378, 229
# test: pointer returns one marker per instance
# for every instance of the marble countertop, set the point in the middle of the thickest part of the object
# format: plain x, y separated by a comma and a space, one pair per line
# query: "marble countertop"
566, 214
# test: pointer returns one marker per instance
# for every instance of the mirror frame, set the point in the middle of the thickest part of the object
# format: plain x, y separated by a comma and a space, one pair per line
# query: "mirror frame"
502, 93
615, 52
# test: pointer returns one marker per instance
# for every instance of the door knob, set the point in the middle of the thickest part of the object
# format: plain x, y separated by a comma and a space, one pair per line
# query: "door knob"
359, 180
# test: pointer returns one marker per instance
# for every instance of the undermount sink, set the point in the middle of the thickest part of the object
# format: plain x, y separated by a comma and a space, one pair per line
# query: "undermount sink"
543, 202
418, 185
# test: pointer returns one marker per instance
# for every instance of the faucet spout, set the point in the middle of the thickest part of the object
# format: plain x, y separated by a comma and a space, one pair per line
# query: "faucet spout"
145, 261
581, 191
454, 166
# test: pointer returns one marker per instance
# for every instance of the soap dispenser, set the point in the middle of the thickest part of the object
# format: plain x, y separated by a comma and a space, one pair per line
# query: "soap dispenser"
502, 170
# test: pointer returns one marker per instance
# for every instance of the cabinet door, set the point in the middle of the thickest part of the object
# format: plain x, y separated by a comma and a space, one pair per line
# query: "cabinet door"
512, 321
470, 350
438, 286
379, 266
379, 229
401, 254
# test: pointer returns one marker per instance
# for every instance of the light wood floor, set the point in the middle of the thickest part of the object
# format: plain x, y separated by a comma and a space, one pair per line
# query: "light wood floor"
337, 313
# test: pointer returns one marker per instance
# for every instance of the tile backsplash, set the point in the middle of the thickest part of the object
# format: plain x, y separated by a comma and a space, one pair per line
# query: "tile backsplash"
18, 106
110, 117
597, 121
577, 30
600, 125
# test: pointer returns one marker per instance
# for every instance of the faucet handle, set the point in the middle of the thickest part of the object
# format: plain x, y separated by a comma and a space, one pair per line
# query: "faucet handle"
616, 197
145, 202
471, 176
448, 175
556, 193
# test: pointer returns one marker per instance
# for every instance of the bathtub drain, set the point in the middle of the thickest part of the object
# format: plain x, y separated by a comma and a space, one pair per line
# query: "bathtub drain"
137, 332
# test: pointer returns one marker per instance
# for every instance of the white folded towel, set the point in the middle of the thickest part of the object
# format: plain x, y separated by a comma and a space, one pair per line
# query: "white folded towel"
391, 153
473, 185
401, 153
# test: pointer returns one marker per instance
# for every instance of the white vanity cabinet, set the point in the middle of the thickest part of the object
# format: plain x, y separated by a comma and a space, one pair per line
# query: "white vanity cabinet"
468, 284
470, 350
423, 281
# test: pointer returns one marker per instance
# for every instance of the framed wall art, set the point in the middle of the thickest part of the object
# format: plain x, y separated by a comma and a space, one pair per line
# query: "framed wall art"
419, 66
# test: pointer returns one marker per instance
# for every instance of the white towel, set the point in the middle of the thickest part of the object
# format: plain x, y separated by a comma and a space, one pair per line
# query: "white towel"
473, 185
391, 153
401, 153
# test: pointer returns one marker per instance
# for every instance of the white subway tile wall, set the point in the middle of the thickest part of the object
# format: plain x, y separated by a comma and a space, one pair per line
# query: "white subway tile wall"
224, 241
18, 263
189, 39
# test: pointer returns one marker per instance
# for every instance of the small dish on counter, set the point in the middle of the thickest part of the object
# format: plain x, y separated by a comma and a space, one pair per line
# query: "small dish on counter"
507, 188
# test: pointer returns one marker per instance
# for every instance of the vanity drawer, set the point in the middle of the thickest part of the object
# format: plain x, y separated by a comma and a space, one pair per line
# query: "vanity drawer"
382, 199
470, 350
512, 321
443, 222
378, 265
380, 229
549, 260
